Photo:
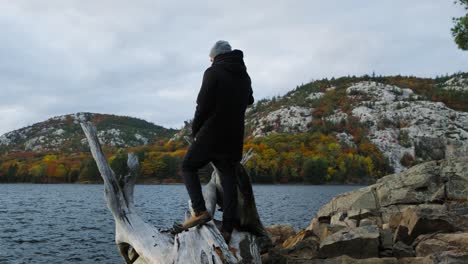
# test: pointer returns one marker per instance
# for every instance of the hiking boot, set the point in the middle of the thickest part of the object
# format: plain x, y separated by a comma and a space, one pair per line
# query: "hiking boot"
198, 218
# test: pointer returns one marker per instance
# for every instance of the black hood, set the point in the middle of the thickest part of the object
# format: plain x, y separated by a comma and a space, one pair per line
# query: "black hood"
231, 61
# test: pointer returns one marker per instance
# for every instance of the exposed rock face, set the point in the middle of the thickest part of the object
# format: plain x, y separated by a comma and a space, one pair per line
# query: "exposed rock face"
417, 216
346, 139
337, 117
457, 83
317, 95
286, 119
401, 123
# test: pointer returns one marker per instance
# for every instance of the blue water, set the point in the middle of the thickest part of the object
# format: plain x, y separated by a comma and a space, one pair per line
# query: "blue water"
70, 223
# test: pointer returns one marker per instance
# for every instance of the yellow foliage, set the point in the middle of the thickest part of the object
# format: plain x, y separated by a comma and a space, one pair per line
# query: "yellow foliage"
60, 171
49, 158
37, 170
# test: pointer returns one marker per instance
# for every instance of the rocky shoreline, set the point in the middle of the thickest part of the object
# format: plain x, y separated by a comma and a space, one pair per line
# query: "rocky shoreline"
417, 216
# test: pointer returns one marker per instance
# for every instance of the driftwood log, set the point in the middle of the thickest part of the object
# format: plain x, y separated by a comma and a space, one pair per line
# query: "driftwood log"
139, 242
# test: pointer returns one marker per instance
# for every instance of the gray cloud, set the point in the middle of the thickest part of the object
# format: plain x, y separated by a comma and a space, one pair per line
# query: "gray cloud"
146, 58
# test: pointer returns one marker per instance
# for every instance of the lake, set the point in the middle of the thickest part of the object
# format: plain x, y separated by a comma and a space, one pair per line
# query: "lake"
70, 223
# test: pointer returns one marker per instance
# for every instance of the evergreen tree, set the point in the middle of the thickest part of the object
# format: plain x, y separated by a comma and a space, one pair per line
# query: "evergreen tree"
460, 29
89, 172
119, 164
315, 170
11, 174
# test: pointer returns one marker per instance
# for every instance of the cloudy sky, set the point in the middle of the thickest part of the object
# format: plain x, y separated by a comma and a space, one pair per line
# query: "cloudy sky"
145, 58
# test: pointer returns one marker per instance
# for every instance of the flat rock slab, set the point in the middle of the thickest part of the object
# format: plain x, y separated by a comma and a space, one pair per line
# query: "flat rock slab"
438, 243
360, 242
363, 198
417, 221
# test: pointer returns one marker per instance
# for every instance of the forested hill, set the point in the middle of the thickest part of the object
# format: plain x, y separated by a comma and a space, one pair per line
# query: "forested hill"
56, 150
356, 129
64, 134
344, 130
408, 119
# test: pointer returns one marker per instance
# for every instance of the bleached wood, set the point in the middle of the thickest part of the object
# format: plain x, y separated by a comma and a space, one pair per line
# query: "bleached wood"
139, 242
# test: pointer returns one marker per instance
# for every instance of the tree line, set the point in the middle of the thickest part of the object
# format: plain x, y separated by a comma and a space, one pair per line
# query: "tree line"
315, 158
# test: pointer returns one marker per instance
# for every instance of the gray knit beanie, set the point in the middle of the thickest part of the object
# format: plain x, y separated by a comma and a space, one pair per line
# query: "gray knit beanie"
220, 47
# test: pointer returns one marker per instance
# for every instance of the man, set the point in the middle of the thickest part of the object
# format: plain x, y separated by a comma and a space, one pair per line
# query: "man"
218, 132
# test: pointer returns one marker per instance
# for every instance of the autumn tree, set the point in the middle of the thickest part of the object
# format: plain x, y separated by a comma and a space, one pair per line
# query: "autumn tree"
38, 172
89, 171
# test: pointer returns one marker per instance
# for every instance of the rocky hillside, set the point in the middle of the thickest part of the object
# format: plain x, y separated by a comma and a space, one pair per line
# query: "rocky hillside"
418, 216
406, 121
401, 123
63, 133
457, 83
346, 130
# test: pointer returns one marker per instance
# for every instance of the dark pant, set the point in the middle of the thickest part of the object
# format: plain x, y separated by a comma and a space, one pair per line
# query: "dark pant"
198, 156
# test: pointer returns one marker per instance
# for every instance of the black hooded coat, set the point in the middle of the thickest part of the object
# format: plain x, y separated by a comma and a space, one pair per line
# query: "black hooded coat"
226, 90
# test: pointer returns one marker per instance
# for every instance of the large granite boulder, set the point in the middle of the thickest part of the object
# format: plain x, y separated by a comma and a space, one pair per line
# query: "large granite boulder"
432, 182
449, 257
298, 247
360, 242
279, 233
419, 184
417, 221
438, 243
455, 175
417, 216
364, 198
304, 244
322, 228
401, 250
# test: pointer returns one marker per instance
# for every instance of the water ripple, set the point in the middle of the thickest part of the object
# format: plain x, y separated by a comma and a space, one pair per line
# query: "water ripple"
71, 223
